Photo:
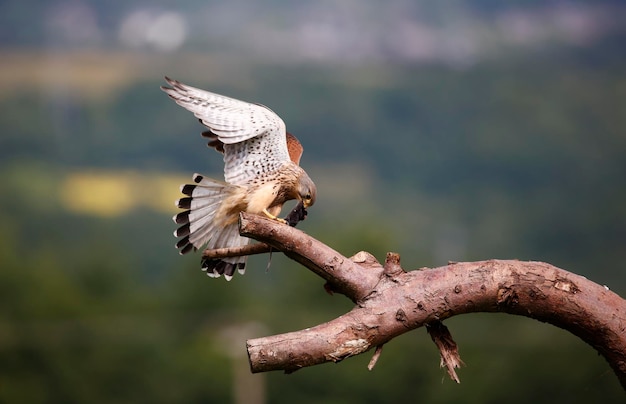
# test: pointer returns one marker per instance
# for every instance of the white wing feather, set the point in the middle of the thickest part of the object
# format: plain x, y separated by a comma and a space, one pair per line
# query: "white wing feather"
254, 136
231, 120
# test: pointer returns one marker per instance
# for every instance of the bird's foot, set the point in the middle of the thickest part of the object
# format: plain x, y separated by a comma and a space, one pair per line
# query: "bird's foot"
278, 219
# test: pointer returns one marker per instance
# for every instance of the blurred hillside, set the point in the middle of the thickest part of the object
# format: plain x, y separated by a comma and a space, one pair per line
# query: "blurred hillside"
463, 131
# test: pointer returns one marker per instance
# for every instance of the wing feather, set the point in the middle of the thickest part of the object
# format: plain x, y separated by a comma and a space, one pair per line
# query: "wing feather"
230, 119
252, 136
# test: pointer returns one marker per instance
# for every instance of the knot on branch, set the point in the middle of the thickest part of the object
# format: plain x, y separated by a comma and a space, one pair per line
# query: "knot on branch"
392, 264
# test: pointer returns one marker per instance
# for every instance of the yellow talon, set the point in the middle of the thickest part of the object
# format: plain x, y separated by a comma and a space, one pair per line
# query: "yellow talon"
278, 219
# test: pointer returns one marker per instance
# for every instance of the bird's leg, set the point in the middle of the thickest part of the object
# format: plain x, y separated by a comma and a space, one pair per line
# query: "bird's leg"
278, 219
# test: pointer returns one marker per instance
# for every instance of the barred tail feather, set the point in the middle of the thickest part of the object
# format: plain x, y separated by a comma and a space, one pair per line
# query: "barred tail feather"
227, 237
198, 227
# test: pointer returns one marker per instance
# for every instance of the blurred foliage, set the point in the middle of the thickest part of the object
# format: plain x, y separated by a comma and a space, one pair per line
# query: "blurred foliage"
515, 158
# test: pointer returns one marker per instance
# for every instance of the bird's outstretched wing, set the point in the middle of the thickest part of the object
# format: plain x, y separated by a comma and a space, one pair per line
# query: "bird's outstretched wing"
253, 136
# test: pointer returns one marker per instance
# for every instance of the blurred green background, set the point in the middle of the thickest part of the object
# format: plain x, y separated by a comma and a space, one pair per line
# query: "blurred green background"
460, 130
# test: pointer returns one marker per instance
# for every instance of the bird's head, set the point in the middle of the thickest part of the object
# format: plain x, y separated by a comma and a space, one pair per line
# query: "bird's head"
306, 190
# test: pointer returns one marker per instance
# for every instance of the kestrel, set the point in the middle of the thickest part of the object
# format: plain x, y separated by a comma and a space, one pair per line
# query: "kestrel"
261, 172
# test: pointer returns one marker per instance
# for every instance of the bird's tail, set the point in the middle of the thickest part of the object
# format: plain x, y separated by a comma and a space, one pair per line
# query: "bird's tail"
199, 225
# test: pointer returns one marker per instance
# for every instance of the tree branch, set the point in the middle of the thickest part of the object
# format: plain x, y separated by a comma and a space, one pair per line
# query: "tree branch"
343, 275
390, 301
250, 249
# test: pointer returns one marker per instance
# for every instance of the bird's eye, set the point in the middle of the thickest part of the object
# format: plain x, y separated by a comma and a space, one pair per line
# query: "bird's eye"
307, 196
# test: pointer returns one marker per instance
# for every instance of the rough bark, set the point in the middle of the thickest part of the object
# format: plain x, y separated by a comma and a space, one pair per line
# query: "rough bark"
390, 301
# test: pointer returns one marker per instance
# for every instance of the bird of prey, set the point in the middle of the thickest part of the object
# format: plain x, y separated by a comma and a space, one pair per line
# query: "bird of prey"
261, 173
